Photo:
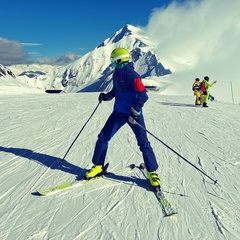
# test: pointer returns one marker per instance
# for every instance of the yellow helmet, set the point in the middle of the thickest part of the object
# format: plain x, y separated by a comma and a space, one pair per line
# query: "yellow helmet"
120, 55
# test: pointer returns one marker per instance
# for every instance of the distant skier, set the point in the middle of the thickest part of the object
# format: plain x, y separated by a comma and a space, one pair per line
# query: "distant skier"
205, 85
197, 91
130, 95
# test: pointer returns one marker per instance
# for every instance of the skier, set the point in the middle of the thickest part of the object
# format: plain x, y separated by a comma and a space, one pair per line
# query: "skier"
205, 90
130, 95
197, 91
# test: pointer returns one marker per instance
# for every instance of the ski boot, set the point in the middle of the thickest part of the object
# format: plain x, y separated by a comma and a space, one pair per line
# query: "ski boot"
154, 179
96, 171
205, 105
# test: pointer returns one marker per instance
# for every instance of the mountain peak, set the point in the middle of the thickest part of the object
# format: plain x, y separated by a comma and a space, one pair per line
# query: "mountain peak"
4, 72
128, 32
129, 29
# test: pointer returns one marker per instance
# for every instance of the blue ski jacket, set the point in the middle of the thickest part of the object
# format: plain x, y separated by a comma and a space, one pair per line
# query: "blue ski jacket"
128, 90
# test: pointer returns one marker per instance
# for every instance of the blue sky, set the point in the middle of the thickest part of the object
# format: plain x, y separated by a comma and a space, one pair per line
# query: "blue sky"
53, 28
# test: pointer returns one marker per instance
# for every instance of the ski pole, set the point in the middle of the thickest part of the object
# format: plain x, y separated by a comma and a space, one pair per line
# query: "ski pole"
215, 181
81, 130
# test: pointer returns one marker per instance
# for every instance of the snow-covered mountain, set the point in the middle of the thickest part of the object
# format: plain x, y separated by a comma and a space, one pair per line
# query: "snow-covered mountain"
93, 71
6, 72
21, 69
9, 82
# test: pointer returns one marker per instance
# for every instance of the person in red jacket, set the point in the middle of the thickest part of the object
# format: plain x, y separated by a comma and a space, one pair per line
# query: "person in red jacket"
130, 95
205, 90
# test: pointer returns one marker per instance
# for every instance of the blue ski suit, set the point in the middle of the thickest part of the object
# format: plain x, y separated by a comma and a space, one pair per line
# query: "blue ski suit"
129, 92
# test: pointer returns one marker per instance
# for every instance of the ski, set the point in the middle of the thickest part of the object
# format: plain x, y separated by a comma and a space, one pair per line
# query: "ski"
55, 189
51, 190
167, 209
165, 205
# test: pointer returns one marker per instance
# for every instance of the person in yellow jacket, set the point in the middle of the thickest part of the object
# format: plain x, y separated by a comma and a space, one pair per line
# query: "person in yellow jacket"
197, 91
205, 90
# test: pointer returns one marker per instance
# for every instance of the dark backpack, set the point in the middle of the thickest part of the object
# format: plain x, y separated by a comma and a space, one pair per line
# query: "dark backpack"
195, 87
202, 87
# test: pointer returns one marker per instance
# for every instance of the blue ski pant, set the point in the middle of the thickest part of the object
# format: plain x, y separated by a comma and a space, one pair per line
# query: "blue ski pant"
113, 124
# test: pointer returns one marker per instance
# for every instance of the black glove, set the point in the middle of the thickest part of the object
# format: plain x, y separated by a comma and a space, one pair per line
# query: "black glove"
102, 97
133, 116
204, 93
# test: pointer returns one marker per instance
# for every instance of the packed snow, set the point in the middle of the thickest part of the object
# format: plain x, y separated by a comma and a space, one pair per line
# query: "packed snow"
37, 130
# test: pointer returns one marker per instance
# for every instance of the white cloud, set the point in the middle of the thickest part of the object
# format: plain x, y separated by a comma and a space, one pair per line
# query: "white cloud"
11, 52
32, 44
199, 38
62, 60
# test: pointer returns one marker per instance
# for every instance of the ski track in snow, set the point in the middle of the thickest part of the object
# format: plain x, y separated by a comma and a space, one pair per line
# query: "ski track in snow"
37, 131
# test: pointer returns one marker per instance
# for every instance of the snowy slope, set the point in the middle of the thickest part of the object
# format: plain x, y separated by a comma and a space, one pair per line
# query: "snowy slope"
37, 130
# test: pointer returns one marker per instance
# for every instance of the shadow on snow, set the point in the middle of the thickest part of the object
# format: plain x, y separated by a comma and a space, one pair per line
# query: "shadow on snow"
54, 163
44, 159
